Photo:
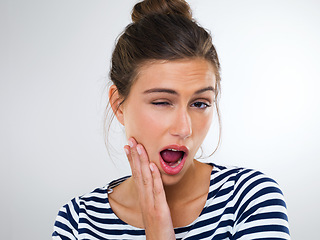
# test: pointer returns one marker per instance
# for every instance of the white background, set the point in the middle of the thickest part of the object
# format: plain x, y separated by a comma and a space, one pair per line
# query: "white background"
55, 58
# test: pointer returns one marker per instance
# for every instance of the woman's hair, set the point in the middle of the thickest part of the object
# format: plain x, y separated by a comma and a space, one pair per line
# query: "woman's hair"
161, 30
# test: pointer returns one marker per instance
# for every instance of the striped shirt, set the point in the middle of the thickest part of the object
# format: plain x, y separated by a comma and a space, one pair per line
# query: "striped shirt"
241, 204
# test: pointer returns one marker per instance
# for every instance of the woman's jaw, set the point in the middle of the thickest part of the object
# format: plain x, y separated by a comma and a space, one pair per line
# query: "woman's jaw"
174, 161
175, 173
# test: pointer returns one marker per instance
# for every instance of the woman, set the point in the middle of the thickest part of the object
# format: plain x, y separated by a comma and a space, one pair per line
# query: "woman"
166, 83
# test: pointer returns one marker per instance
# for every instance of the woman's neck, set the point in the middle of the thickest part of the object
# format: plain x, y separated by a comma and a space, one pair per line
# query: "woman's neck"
189, 193
193, 185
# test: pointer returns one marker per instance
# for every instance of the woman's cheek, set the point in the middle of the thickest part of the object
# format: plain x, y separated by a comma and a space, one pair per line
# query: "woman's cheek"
155, 119
145, 126
203, 124
134, 122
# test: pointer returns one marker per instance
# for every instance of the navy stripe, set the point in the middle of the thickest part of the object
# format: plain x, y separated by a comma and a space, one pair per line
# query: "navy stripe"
247, 190
72, 221
267, 203
182, 229
63, 226
244, 181
272, 238
242, 215
95, 199
111, 221
228, 195
94, 208
55, 234
269, 215
75, 206
109, 231
263, 228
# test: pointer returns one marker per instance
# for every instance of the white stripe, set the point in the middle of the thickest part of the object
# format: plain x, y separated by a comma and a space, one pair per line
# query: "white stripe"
223, 184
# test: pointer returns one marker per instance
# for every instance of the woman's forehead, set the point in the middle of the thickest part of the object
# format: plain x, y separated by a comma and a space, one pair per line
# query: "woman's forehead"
179, 72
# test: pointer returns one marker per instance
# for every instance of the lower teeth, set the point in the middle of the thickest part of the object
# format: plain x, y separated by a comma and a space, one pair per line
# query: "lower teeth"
177, 163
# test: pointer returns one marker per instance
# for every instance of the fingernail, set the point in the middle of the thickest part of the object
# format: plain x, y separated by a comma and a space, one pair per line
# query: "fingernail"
151, 167
126, 150
130, 143
139, 150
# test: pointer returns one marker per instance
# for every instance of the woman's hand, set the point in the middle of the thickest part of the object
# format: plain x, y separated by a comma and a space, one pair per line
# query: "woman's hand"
153, 204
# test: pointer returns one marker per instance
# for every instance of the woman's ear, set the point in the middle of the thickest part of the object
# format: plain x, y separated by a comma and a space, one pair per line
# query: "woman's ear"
115, 103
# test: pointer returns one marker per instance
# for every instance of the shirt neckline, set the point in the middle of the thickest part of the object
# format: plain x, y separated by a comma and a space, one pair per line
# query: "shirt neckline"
117, 182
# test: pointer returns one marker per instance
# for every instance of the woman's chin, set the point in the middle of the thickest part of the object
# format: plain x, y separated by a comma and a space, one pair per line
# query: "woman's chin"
170, 180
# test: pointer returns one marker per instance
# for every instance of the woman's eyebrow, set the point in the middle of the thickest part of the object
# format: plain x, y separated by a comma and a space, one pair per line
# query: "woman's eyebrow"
171, 91
210, 88
160, 90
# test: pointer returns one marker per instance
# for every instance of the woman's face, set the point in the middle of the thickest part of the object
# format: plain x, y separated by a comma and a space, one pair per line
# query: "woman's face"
169, 111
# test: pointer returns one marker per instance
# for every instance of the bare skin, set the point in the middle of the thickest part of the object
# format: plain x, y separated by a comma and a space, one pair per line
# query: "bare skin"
170, 103
142, 200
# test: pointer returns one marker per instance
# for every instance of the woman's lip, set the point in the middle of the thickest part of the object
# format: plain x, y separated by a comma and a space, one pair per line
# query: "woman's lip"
177, 147
166, 168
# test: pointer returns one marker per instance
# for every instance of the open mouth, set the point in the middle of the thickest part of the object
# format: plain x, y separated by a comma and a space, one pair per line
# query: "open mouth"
172, 159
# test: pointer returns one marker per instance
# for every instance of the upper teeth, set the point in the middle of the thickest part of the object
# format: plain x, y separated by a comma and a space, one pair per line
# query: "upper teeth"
173, 150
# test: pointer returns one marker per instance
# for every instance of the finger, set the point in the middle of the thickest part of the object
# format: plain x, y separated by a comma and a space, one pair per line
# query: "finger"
147, 180
128, 150
128, 153
136, 165
158, 190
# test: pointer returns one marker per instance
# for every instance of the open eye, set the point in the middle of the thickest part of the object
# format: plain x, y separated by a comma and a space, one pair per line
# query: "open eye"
200, 105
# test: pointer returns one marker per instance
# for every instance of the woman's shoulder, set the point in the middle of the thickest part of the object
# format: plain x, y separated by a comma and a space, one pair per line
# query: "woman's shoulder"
238, 175
90, 204
97, 196
243, 182
253, 200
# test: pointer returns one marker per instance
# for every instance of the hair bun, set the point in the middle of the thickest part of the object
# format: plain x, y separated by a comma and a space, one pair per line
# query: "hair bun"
152, 7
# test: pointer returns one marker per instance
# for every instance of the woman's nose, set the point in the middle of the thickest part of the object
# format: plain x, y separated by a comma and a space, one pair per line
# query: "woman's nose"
181, 125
